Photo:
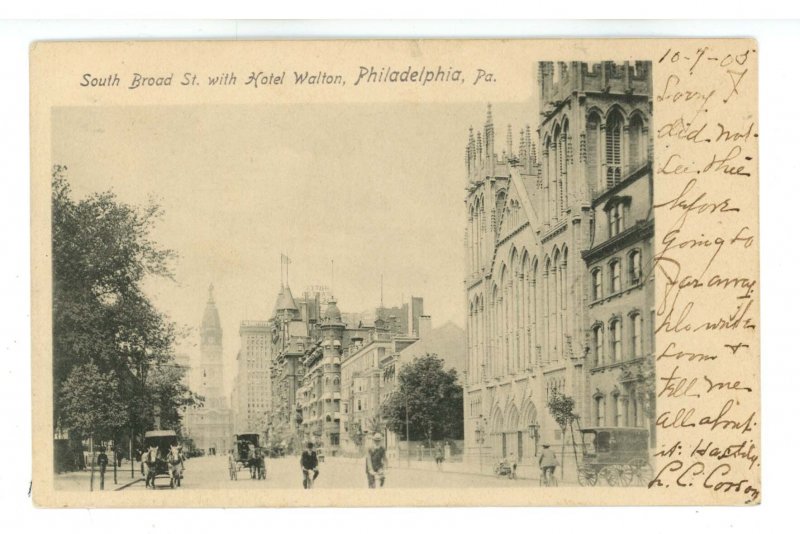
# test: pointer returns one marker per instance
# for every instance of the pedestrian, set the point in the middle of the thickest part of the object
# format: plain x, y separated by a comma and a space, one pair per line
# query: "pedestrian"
102, 461
512, 462
376, 461
251, 460
547, 463
118, 456
439, 456
309, 463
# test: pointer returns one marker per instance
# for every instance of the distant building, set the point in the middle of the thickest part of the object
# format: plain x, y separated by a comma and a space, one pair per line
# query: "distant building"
210, 425
252, 393
311, 342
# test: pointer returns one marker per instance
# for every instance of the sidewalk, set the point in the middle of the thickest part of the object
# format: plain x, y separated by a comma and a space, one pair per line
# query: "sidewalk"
527, 472
80, 480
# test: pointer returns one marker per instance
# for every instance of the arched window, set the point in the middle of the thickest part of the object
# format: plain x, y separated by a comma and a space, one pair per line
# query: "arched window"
637, 152
593, 155
597, 284
636, 335
599, 345
616, 276
620, 411
613, 149
616, 340
600, 410
635, 267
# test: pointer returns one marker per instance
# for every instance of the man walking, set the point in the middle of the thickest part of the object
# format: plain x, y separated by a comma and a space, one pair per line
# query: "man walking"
376, 461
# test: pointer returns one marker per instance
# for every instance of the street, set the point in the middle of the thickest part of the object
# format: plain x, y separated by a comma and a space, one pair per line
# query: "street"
211, 472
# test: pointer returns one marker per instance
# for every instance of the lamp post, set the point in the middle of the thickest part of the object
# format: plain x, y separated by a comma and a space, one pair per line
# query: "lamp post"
534, 432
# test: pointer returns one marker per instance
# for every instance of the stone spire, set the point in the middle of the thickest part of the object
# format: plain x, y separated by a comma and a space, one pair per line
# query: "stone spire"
211, 315
509, 143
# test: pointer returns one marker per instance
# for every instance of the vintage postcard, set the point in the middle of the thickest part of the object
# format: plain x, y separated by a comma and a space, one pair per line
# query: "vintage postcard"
374, 273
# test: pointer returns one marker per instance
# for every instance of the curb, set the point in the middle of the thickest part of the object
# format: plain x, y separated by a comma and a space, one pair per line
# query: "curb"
129, 484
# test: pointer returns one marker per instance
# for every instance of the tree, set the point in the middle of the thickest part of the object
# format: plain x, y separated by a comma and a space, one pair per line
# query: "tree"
433, 398
103, 323
92, 404
562, 409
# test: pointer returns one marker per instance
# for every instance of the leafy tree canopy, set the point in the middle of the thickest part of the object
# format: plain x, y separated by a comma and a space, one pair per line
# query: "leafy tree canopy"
434, 400
103, 323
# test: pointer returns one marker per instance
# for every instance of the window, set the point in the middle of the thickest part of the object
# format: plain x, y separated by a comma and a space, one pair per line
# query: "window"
636, 335
597, 284
635, 267
616, 219
616, 340
600, 410
593, 156
616, 284
613, 149
637, 151
598, 345
620, 411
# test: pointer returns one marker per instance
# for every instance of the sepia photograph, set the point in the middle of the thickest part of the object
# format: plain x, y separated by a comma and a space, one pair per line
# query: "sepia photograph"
304, 298
410, 282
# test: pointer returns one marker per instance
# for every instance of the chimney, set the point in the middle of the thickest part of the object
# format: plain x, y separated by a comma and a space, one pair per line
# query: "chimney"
424, 326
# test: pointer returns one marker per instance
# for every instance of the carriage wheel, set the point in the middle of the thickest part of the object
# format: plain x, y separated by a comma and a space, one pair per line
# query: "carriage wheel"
625, 474
587, 476
641, 470
610, 474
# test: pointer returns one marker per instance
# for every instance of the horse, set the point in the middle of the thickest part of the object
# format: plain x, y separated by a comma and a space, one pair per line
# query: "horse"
175, 465
149, 462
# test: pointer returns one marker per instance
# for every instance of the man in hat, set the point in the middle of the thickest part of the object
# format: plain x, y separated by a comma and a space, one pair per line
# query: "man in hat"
309, 464
376, 461
547, 463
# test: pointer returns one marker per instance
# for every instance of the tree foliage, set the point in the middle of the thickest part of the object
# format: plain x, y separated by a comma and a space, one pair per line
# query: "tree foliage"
92, 404
104, 326
434, 400
562, 408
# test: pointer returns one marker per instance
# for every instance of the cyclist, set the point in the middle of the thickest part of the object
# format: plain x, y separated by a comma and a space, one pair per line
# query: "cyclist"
547, 463
309, 463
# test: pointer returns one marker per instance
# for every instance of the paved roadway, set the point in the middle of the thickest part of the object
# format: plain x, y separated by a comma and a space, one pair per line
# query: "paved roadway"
212, 473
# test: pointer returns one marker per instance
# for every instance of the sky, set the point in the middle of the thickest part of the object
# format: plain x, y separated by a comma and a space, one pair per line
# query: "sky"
377, 189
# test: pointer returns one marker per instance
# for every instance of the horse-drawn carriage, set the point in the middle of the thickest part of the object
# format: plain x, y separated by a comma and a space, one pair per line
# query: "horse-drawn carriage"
248, 453
162, 458
618, 456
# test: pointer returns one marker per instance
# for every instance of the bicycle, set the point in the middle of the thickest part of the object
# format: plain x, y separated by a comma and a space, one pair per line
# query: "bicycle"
548, 477
308, 480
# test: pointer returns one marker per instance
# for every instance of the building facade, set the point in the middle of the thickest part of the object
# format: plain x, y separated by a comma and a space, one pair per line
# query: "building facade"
252, 392
532, 238
211, 424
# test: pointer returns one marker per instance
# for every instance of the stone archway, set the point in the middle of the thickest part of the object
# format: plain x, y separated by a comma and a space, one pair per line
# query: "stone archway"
513, 435
529, 418
496, 436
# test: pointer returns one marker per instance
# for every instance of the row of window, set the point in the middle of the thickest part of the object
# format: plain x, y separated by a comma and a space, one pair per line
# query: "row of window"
618, 410
634, 268
615, 349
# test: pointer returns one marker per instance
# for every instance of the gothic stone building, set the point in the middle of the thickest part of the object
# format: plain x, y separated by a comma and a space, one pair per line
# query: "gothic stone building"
557, 243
